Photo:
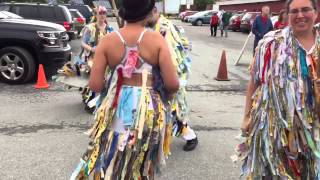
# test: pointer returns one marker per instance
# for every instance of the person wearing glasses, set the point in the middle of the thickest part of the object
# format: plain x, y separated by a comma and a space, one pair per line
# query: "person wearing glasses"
281, 122
80, 68
130, 138
92, 35
261, 25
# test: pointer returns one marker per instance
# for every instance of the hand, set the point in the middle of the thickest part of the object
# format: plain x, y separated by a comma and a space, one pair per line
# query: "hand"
245, 125
316, 84
93, 49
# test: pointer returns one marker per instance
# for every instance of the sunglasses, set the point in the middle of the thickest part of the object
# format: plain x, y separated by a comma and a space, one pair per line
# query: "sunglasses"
102, 13
304, 11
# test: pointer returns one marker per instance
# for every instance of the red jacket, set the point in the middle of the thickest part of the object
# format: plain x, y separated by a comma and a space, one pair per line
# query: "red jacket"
214, 20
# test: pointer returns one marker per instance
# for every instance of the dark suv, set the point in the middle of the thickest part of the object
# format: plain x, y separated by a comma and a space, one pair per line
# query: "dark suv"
26, 43
51, 13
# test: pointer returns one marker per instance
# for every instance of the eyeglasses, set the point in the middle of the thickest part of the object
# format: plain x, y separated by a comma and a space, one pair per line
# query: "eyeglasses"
304, 11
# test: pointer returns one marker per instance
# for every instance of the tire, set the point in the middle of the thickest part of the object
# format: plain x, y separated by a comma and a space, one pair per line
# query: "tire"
199, 22
17, 65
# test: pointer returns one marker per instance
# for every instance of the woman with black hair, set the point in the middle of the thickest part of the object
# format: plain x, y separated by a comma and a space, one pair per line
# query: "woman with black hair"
131, 136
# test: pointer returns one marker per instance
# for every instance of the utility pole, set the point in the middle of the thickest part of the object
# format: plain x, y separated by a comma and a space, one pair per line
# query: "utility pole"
164, 7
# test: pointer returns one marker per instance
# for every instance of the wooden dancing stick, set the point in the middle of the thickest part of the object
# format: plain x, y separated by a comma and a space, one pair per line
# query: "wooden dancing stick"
242, 50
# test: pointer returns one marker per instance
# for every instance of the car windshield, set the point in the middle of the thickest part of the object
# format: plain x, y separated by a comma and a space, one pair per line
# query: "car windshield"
247, 16
3, 16
7, 15
201, 13
11, 15
75, 14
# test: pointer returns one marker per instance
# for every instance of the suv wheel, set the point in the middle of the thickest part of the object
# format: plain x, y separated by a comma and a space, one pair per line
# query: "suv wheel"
199, 22
17, 65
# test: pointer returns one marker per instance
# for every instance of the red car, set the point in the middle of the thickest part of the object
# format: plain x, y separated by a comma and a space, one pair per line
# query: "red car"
235, 22
247, 21
184, 14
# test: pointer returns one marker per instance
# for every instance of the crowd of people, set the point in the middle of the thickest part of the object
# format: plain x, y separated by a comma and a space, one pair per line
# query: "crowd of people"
261, 25
136, 77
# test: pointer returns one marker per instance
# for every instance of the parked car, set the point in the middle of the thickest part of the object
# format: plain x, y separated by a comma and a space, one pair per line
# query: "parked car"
25, 43
184, 14
274, 19
85, 10
200, 18
51, 13
247, 21
79, 20
235, 22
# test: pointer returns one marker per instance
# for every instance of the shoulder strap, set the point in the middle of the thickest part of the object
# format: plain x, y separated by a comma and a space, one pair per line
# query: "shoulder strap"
121, 38
141, 35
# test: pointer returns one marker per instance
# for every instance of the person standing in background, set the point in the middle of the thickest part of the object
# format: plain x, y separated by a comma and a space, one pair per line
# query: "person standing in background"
225, 23
261, 25
179, 106
282, 21
214, 22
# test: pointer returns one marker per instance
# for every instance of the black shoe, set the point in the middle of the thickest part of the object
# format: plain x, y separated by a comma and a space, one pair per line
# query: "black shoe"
191, 144
89, 110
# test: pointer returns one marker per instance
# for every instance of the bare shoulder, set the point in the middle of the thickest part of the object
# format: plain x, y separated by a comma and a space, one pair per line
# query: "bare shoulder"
108, 39
154, 38
154, 35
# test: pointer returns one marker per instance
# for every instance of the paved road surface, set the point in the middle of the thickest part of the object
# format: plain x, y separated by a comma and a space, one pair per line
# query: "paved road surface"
41, 131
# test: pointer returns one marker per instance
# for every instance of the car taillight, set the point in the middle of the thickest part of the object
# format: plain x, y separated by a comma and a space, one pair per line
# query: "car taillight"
67, 26
81, 20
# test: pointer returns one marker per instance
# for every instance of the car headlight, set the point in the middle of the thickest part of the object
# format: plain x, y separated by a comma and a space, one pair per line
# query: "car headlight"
50, 38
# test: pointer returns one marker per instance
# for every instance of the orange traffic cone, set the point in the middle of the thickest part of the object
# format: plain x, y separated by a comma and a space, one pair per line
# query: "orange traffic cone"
42, 81
222, 72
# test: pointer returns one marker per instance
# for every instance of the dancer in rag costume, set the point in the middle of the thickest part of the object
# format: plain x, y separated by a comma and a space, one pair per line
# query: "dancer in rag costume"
130, 138
281, 122
76, 74
179, 47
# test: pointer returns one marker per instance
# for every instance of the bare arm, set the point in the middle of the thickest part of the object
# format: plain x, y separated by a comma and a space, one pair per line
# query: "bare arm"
86, 39
100, 63
250, 90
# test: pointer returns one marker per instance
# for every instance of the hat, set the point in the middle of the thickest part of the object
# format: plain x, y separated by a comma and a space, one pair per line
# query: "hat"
135, 10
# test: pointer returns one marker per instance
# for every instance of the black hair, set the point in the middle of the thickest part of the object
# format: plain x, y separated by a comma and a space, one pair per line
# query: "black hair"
314, 4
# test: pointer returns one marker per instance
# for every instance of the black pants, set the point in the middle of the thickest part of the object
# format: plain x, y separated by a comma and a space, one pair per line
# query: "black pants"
214, 28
